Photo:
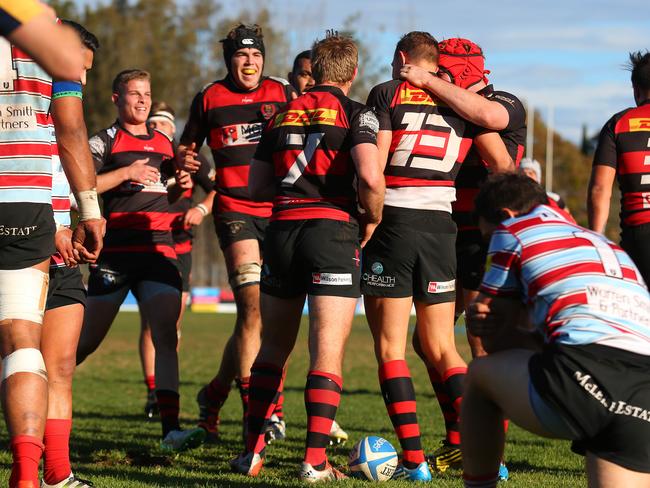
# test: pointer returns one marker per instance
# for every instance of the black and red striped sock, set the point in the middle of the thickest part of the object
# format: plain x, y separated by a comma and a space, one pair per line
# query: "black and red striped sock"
399, 397
217, 393
448, 411
279, 404
322, 397
243, 385
454, 380
150, 381
168, 406
265, 381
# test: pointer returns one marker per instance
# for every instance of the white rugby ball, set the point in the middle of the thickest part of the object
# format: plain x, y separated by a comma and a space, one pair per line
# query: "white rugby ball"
373, 458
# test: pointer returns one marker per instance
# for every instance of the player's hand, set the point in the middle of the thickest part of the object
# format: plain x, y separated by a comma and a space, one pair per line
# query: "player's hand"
367, 229
63, 244
481, 322
415, 75
186, 159
193, 216
184, 180
88, 239
140, 172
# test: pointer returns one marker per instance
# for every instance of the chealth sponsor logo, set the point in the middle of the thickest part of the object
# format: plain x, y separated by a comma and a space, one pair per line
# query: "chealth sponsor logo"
441, 286
332, 279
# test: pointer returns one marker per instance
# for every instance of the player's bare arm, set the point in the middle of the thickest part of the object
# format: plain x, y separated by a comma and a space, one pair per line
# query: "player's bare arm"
54, 47
195, 215
261, 181
138, 172
372, 186
494, 152
469, 105
384, 139
501, 323
599, 196
71, 138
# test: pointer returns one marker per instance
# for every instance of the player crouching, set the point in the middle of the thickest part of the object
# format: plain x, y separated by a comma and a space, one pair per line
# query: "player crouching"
588, 379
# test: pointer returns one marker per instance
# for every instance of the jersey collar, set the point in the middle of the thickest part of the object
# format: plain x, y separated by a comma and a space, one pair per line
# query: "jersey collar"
334, 90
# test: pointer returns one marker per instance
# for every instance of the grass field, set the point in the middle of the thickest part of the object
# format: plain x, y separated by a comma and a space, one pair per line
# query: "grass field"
115, 447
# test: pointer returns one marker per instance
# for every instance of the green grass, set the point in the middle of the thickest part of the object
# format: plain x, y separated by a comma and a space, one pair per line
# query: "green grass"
114, 446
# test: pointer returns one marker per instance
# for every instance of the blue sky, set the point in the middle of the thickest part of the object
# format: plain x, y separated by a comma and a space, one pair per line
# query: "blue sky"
567, 53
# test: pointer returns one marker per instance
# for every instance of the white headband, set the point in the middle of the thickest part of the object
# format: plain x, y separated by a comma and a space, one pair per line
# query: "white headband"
163, 116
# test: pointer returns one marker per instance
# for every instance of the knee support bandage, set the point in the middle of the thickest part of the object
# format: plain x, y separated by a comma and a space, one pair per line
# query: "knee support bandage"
245, 274
26, 360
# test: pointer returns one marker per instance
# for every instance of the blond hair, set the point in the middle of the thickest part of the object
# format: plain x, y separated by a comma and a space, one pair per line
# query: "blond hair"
334, 60
123, 77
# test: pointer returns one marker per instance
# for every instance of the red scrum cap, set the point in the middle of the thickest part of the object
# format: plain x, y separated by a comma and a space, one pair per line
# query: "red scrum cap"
463, 61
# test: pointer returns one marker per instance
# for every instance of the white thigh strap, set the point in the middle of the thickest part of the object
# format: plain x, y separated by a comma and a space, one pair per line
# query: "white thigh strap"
23, 293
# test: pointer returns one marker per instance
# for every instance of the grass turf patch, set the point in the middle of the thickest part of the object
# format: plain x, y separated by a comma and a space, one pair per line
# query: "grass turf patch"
116, 447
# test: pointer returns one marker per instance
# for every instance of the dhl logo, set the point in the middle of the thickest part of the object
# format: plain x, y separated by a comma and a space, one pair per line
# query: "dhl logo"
313, 116
415, 97
639, 124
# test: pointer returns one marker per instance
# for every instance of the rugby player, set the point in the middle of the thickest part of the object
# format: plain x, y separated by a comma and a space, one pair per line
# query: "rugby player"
411, 255
26, 244
532, 169
162, 117
300, 76
462, 84
307, 162
582, 372
230, 114
31, 26
623, 153
64, 309
133, 163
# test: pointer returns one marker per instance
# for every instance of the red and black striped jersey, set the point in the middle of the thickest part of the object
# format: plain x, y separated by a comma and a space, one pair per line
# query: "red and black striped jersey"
138, 217
232, 120
429, 143
308, 143
181, 235
474, 171
624, 144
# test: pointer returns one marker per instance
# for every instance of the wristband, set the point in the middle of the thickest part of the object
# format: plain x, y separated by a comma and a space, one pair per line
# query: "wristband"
203, 209
88, 205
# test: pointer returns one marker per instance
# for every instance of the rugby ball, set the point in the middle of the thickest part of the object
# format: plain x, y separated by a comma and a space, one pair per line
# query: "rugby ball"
373, 458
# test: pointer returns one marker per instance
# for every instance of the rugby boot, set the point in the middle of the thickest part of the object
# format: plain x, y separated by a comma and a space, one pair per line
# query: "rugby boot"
249, 463
181, 440
309, 474
419, 473
445, 457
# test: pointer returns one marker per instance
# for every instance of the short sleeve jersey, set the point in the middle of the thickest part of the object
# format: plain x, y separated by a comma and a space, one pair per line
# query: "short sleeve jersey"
624, 144
474, 171
231, 120
583, 288
138, 217
429, 144
308, 143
